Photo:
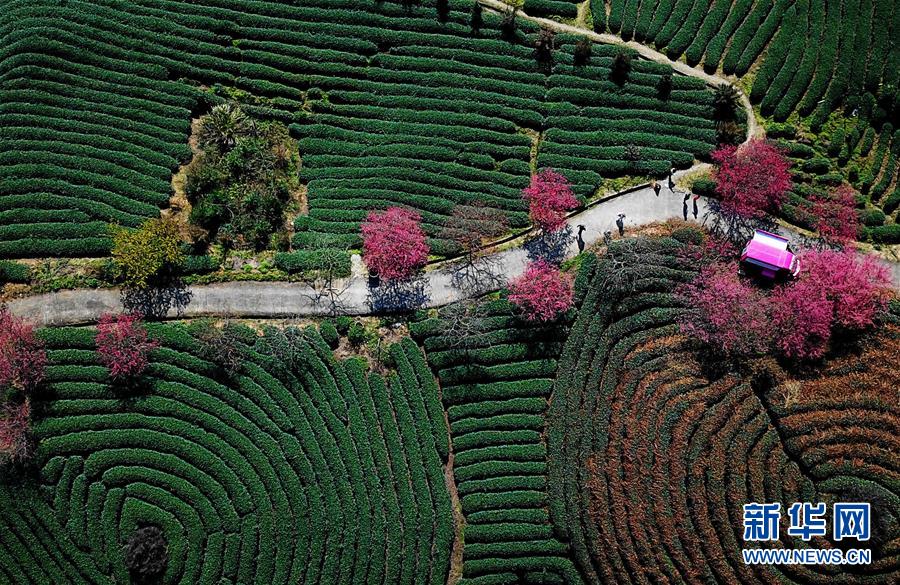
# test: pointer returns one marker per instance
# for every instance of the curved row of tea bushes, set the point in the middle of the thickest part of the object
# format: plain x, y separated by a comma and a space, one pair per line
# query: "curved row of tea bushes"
494, 385
314, 471
648, 453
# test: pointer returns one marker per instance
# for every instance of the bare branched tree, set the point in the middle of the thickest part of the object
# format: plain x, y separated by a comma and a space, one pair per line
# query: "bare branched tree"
470, 227
625, 263
329, 282
462, 323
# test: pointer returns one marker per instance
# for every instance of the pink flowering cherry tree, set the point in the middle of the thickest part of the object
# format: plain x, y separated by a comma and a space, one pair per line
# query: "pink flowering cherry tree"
751, 179
123, 344
394, 245
15, 423
23, 359
801, 319
549, 198
543, 292
726, 312
23, 363
857, 285
834, 215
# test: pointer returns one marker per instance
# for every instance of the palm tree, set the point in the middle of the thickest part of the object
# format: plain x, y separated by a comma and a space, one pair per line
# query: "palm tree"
221, 128
725, 102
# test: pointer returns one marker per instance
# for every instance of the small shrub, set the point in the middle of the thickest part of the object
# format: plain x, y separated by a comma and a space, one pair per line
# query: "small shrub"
621, 68
872, 217
356, 335
688, 235
583, 49
885, 234
329, 334
477, 20
779, 130
704, 187
664, 86
508, 25
342, 324
14, 272
198, 264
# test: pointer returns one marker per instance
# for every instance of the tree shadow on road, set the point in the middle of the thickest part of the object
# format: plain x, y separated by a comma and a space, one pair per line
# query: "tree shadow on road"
549, 246
395, 296
478, 276
156, 302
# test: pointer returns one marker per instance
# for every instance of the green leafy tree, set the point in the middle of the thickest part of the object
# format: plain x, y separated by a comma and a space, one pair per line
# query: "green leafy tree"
145, 255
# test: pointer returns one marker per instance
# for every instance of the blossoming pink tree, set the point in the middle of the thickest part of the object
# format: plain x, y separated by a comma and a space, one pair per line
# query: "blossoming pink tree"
23, 362
857, 285
394, 245
751, 179
834, 215
15, 422
23, 359
123, 344
801, 319
549, 198
726, 312
543, 292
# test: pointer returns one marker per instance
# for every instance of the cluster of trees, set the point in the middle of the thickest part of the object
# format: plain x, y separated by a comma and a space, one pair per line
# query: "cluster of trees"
241, 182
838, 292
753, 180
395, 246
122, 345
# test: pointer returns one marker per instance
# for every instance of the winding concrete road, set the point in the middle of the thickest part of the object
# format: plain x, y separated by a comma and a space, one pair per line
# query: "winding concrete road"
437, 286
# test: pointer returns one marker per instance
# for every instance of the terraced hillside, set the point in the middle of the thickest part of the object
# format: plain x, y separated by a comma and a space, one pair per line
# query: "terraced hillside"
815, 53
651, 459
495, 380
314, 472
391, 105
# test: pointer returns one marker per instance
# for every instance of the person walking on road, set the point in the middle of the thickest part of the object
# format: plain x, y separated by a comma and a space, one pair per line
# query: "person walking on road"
607, 237
671, 180
696, 210
656, 187
620, 223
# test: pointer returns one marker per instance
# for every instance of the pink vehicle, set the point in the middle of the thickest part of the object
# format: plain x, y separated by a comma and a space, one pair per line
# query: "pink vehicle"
767, 255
